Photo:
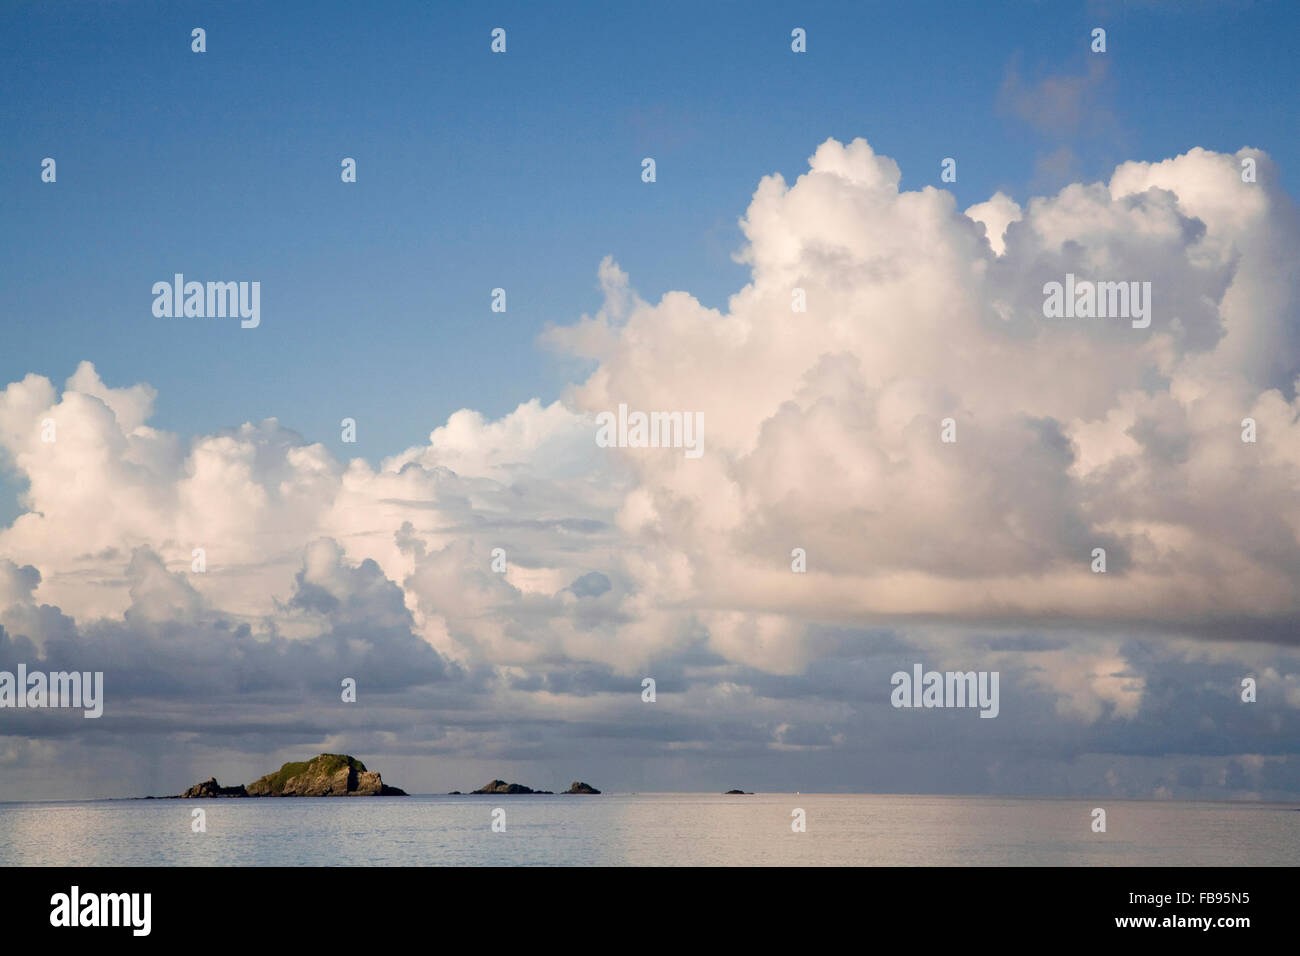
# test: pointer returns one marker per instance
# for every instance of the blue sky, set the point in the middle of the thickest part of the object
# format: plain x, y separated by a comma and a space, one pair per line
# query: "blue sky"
520, 171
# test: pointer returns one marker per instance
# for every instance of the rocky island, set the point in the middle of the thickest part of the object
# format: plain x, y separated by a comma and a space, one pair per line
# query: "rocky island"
500, 786
325, 775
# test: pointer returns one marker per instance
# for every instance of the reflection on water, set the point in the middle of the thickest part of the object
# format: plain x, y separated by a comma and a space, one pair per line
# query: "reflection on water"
649, 829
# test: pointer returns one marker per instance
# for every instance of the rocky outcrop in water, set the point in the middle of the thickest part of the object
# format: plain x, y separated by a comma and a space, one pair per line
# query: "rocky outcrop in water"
326, 775
210, 788
580, 787
500, 786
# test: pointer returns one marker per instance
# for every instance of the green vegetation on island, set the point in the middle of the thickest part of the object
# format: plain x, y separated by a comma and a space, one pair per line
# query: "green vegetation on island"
325, 775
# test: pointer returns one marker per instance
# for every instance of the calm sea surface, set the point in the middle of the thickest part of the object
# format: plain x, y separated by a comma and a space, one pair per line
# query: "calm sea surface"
648, 829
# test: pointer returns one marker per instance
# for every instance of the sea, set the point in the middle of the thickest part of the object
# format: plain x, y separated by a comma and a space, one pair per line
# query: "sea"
656, 829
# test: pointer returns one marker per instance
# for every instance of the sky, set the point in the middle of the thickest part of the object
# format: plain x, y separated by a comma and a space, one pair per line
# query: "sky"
774, 171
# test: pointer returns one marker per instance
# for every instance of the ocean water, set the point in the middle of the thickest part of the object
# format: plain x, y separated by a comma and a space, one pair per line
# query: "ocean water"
648, 829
